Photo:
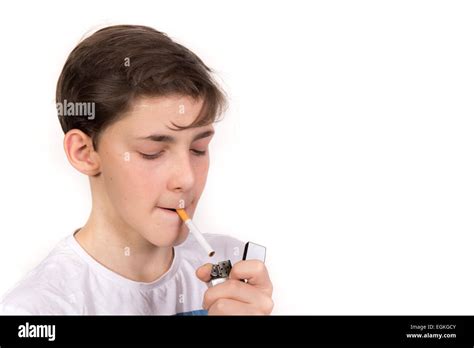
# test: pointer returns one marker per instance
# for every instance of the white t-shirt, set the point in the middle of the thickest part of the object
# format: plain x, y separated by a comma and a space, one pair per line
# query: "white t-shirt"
70, 281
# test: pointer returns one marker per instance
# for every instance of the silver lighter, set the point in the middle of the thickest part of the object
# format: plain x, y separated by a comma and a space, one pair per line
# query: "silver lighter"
220, 271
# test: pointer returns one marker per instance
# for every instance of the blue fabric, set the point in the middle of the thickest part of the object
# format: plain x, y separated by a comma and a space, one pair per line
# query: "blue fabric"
196, 312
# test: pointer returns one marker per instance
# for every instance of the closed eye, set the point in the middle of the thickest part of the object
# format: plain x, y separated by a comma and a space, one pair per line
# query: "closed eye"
198, 152
156, 155
150, 156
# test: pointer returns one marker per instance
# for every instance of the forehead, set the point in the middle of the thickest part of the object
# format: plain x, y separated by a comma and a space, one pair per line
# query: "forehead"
158, 116
163, 111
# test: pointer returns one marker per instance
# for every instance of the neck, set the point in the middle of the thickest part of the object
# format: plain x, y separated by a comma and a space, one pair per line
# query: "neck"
123, 250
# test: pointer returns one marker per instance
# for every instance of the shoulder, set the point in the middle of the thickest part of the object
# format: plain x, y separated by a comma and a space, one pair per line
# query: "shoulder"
42, 290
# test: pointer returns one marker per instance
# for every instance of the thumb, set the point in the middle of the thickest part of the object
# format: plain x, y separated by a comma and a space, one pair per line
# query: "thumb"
204, 272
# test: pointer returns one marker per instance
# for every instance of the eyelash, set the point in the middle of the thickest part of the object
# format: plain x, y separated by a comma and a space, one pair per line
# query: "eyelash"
155, 156
199, 153
150, 157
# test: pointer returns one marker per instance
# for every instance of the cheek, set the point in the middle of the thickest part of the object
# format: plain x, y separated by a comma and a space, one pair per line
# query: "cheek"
201, 169
130, 183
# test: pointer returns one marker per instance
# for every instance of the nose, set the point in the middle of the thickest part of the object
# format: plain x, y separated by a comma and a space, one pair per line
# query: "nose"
182, 175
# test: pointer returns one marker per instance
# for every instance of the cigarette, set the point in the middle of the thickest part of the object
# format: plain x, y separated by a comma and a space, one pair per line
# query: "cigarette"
195, 231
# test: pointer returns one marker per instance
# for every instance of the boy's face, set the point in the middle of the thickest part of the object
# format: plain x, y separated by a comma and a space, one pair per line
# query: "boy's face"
146, 167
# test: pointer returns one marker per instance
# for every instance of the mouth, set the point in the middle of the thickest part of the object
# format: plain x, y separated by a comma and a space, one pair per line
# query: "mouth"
169, 209
169, 214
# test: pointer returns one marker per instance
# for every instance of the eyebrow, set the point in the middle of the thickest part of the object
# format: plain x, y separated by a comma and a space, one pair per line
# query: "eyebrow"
170, 139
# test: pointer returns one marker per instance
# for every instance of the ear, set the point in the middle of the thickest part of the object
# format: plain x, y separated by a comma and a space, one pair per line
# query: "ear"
80, 152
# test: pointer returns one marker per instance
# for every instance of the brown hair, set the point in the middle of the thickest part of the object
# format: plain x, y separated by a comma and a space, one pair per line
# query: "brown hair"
96, 72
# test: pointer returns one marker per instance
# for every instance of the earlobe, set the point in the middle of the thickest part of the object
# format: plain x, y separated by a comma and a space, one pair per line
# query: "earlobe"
81, 153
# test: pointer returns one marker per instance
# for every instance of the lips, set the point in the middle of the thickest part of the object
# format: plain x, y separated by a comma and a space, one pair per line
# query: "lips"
165, 208
168, 213
170, 209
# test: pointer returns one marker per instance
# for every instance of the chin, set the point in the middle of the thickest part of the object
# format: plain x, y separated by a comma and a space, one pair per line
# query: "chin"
167, 237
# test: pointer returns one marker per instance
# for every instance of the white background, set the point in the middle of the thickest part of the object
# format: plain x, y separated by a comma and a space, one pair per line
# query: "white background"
347, 149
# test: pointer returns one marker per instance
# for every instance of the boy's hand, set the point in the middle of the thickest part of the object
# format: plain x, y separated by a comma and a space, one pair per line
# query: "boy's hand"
235, 297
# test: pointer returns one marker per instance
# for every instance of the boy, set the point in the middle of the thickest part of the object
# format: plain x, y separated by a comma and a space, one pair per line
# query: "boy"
137, 111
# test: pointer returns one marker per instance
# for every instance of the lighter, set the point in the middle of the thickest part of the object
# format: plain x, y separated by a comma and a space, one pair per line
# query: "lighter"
221, 270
